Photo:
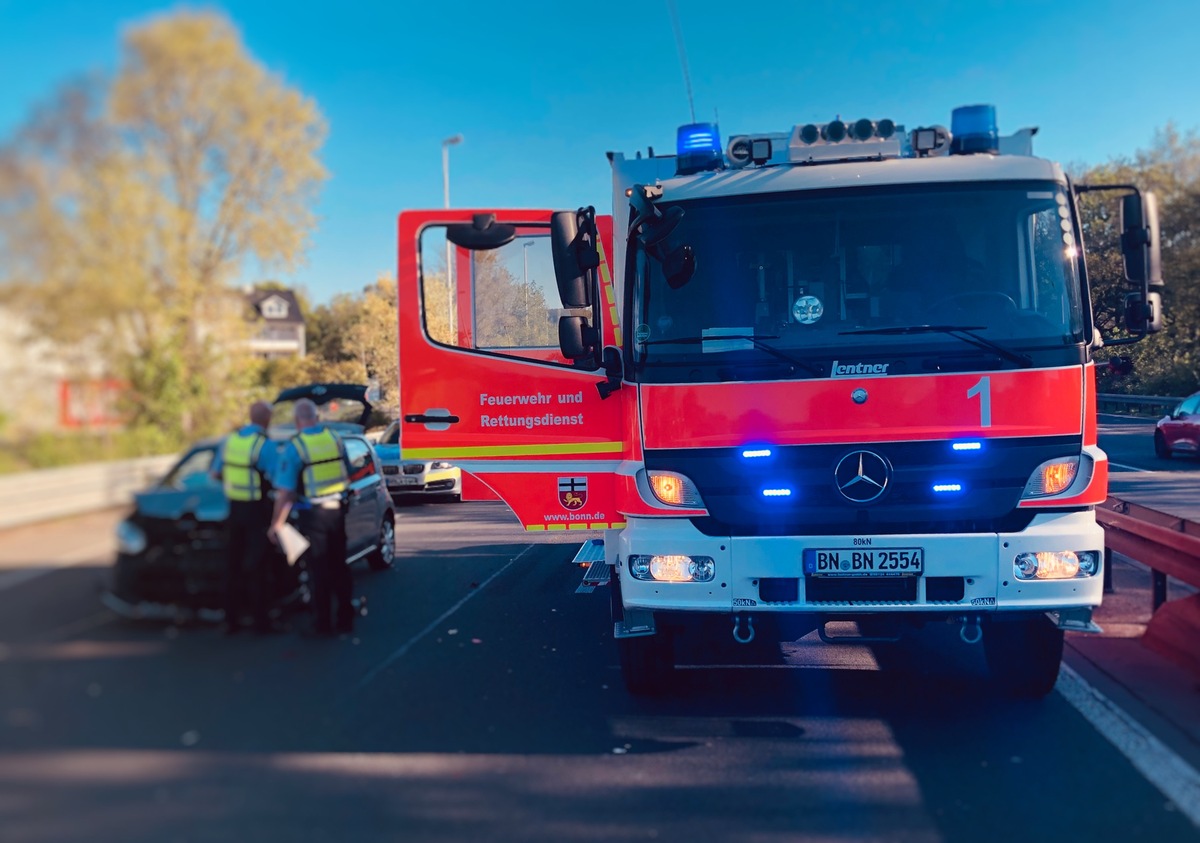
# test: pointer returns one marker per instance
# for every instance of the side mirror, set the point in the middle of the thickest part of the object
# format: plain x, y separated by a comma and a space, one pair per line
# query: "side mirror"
575, 255
1140, 244
1143, 312
659, 230
679, 266
576, 339
481, 234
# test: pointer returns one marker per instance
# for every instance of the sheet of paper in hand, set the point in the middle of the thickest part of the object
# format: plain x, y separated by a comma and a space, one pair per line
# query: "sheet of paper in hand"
291, 542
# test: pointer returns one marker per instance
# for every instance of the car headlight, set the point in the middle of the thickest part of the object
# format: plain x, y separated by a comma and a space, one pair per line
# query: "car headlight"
131, 538
440, 465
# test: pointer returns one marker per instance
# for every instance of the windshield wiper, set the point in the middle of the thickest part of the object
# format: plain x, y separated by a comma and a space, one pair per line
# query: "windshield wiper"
754, 339
966, 333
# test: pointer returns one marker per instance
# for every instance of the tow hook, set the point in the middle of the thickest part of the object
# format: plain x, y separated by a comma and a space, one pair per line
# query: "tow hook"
743, 629
970, 632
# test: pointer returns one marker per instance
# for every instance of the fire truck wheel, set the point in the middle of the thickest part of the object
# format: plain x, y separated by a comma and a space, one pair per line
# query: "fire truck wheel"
1024, 655
647, 663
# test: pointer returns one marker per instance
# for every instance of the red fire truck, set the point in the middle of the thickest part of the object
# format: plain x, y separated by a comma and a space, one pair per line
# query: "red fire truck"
842, 372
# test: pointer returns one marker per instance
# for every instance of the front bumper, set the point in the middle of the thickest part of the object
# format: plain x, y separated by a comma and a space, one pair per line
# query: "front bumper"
963, 572
441, 482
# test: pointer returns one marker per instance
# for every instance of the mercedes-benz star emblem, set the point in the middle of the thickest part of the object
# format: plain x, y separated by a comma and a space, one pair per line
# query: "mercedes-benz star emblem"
862, 476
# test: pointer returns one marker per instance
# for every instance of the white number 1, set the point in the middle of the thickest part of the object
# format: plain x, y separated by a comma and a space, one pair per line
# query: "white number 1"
984, 390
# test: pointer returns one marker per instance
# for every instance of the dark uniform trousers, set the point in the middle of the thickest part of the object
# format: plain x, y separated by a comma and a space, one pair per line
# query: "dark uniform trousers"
249, 567
332, 584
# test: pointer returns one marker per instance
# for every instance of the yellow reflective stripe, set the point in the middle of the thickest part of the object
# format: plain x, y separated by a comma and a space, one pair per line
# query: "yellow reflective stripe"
606, 284
512, 450
553, 525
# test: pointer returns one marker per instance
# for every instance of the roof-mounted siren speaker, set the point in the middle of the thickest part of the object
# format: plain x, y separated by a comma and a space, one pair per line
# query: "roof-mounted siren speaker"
863, 129
930, 140
738, 151
834, 132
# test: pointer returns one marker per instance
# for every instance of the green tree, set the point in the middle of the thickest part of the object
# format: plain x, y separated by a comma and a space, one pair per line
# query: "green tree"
1166, 363
373, 337
129, 207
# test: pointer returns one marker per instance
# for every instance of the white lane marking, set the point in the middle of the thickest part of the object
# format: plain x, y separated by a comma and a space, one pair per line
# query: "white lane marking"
408, 645
1178, 781
1128, 467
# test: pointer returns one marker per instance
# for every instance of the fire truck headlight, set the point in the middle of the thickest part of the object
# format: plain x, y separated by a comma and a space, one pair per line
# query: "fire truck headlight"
672, 568
1056, 565
1053, 477
674, 489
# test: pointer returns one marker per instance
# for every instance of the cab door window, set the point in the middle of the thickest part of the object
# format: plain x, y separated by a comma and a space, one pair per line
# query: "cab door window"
502, 301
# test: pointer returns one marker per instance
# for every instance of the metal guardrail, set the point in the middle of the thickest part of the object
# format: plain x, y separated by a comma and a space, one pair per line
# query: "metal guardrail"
1170, 547
32, 496
1136, 405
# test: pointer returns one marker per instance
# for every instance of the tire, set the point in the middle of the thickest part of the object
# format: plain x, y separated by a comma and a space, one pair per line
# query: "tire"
381, 558
1024, 656
1160, 446
647, 663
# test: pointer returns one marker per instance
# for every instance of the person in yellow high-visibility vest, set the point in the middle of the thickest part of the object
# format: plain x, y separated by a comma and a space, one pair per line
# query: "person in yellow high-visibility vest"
312, 477
244, 464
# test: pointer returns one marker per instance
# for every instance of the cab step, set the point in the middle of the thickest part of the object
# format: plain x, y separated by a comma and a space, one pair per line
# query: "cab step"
591, 554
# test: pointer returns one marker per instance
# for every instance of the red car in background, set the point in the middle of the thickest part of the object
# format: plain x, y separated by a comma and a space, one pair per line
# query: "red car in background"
1179, 433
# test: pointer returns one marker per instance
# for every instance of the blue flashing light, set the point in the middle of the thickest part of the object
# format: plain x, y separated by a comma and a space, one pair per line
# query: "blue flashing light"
756, 453
777, 493
945, 488
967, 446
974, 130
698, 147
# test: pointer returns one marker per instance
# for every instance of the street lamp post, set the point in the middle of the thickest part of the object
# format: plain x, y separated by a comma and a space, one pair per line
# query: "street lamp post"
525, 253
453, 140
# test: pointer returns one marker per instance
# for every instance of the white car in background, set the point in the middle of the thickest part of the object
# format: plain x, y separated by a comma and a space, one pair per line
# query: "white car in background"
412, 478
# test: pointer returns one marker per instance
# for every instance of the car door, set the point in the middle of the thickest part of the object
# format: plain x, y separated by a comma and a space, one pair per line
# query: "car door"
482, 381
1182, 431
362, 508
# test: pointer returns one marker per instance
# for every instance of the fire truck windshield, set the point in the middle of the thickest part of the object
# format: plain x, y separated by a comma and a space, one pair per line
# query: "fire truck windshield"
824, 274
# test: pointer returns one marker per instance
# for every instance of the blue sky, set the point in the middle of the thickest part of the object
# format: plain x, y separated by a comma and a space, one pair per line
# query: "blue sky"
540, 90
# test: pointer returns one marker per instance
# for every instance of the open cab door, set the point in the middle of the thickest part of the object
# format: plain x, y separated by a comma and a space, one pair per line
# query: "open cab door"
484, 382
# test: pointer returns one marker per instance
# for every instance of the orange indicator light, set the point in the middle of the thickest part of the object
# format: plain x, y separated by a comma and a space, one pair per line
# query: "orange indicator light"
1057, 476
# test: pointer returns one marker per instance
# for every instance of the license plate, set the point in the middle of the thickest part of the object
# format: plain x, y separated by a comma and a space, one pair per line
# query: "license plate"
402, 481
864, 562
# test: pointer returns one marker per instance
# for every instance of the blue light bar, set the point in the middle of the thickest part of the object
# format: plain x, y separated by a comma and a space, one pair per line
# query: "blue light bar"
967, 446
943, 488
756, 453
974, 130
777, 493
698, 147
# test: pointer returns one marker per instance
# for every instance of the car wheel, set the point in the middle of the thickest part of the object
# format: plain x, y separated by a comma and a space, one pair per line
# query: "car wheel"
1161, 449
382, 556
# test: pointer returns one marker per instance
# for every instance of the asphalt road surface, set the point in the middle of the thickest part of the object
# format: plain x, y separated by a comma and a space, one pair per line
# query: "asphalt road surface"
481, 701
1171, 485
